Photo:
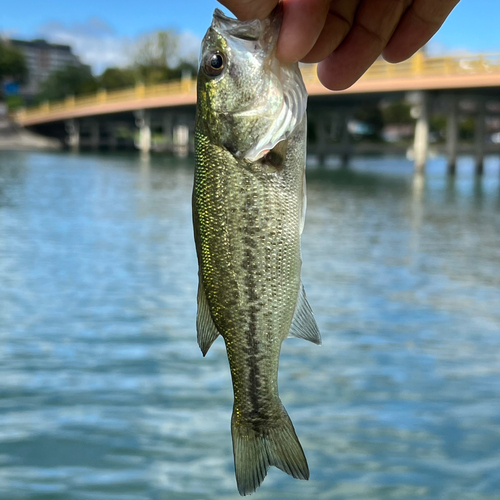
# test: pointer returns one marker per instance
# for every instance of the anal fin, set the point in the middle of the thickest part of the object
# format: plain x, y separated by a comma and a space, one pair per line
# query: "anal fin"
303, 324
206, 330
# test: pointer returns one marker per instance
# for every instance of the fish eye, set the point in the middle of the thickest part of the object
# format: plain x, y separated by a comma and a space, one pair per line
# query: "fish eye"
214, 64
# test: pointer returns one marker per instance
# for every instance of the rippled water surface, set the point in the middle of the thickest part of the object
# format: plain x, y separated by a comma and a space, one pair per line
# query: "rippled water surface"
104, 394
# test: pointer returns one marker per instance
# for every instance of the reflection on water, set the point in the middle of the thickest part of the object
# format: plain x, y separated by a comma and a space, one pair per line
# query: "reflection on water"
103, 391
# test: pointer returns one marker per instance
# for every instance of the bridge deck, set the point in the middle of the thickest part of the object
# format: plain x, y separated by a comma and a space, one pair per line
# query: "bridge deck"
418, 73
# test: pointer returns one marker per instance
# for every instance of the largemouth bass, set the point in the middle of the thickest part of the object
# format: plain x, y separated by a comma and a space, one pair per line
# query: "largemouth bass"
248, 212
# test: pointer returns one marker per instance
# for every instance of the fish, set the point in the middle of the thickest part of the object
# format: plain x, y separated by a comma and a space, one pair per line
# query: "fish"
248, 215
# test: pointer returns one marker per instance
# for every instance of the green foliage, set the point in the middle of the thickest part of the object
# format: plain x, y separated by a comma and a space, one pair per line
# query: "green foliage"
14, 102
117, 78
397, 112
467, 129
12, 63
71, 80
153, 74
437, 125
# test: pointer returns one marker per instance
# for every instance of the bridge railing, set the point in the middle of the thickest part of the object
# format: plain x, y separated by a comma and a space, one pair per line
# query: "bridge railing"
417, 66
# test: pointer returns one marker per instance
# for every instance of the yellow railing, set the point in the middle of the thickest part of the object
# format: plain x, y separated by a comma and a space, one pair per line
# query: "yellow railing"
417, 66
420, 65
137, 93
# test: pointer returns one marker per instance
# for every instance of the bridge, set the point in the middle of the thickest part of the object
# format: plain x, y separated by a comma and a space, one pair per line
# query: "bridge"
431, 83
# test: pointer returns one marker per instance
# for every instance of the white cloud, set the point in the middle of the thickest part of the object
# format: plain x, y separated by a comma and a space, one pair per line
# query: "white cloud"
189, 47
97, 43
94, 41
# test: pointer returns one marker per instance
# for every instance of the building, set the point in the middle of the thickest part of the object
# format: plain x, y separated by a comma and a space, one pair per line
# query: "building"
42, 58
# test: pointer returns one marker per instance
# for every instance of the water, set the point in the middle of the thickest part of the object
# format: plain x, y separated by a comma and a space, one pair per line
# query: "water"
104, 393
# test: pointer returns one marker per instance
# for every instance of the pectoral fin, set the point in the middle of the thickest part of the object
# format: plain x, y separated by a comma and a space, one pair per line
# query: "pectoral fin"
205, 326
303, 324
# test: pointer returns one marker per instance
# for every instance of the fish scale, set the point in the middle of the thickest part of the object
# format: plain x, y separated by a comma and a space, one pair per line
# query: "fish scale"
247, 215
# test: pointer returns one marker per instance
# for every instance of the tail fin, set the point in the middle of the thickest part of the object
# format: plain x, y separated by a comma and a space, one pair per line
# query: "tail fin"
255, 450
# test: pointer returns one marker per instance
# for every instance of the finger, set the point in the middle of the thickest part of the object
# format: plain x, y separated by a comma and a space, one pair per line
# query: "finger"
250, 9
339, 20
373, 26
302, 24
419, 23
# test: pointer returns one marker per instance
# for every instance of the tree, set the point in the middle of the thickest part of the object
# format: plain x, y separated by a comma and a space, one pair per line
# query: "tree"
153, 74
397, 112
156, 58
12, 65
117, 78
71, 80
157, 49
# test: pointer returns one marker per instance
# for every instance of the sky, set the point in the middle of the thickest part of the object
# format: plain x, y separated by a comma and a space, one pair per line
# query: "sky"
102, 33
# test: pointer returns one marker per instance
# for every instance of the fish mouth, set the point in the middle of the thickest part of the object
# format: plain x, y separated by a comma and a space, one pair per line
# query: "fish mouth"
266, 31
244, 30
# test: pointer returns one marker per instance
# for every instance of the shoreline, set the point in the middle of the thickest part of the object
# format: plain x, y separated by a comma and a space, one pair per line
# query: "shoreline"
13, 137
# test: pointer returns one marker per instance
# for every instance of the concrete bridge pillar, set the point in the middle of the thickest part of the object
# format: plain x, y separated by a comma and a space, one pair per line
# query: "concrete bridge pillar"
452, 134
143, 122
479, 135
191, 125
420, 111
73, 130
181, 138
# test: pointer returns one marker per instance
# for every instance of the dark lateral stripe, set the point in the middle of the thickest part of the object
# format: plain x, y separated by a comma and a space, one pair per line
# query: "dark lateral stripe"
253, 368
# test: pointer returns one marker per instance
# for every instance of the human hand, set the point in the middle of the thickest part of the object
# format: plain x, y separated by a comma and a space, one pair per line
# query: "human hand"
347, 36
